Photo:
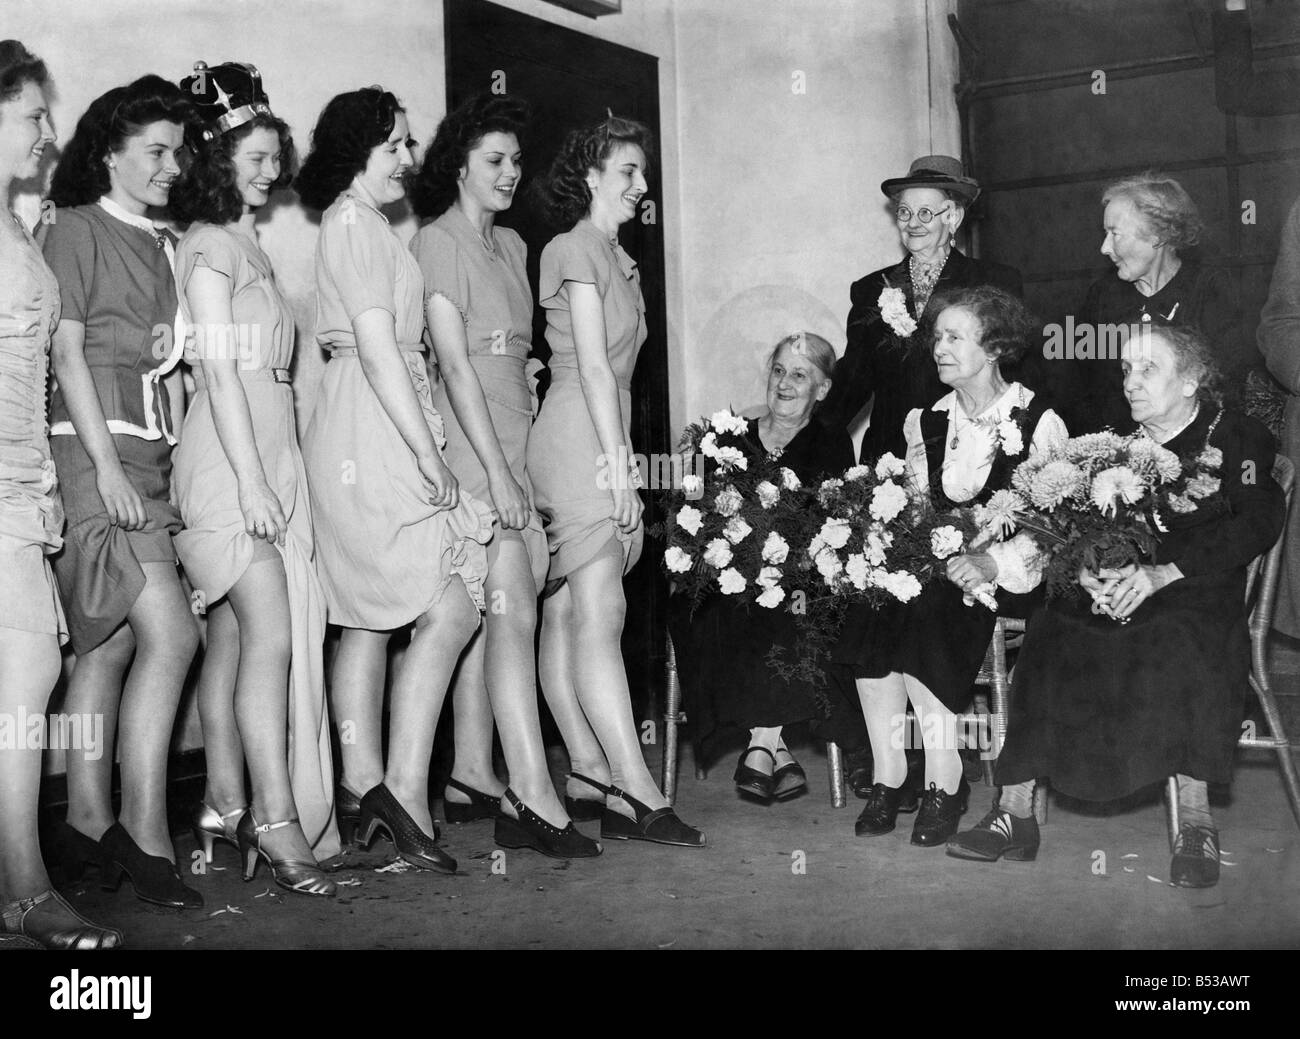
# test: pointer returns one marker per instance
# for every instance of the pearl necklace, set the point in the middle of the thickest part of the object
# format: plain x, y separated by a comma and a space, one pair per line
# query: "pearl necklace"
924, 278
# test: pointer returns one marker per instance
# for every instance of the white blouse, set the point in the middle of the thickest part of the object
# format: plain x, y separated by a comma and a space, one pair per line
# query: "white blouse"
966, 468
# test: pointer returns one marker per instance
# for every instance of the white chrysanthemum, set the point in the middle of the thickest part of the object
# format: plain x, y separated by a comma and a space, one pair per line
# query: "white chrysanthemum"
827, 488
857, 472
1000, 514
677, 561
1117, 482
1180, 504
728, 501
717, 553
692, 486
709, 445
690, 519
736, 530
889, 465
887, 501
1202, 485
1093, 445
768, 494
1211, 458
771, 597
768, 577
775, 548
945, 541
875, 548
1053, 483
901, 585
857, 571
1160, 461
731, 581
729, 458
789, 480
835, 532
829, 565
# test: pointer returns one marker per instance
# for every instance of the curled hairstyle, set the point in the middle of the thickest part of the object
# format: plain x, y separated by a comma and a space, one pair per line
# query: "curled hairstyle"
81, 176
809, 345
18, 67
435, 186
564, 192
350, 127
1193, 359
1007, 327
207, 190
1164, 204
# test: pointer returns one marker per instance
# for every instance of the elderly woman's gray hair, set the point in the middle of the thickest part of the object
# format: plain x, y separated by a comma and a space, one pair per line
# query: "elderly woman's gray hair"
1165, 205
806, 344
1193, 359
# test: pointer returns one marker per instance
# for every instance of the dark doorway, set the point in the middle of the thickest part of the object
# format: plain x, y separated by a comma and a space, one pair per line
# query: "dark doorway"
571, 79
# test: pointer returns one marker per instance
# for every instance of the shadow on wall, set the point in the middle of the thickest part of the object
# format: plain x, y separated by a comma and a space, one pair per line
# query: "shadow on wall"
741, 334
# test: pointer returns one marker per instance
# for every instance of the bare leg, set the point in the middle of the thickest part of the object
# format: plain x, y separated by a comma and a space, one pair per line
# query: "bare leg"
216, 699
29, 667
166, 638
357, 703
473, 732
596, 590
512, 680
884, 705
261, 601
555, 664
95, 689
939, 732
419, 689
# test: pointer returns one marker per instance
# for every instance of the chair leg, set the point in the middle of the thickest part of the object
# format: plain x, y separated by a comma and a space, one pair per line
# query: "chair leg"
1171, 806
835, 766
672, 707
1284, 759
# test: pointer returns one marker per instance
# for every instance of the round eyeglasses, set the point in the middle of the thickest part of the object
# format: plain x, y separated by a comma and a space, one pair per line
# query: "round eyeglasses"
925, 214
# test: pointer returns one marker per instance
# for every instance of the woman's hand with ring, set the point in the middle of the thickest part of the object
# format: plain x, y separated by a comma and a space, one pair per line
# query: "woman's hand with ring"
972, 569
1137, 587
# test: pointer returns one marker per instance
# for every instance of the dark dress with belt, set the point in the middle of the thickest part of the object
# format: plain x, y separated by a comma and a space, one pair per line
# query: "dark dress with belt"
1103, 709
1090, 390
937, 638
898, 371
727, 684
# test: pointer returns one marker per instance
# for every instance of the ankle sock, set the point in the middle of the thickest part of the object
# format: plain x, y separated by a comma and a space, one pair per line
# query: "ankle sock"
1018, 799
1194, 802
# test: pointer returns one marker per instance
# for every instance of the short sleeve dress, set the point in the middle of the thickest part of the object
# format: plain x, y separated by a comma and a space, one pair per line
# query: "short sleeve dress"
31, 514
564, 453
214, 547
489, 286
385, 555
115, 277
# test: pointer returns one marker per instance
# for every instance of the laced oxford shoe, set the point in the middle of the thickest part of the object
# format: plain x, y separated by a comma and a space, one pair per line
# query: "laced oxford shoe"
1196, 857
940, 812
998, 835
880, 813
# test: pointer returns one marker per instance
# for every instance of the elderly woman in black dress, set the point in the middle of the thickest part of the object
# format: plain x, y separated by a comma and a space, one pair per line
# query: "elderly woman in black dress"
722, 649
1103, 709
1150, 222
928, 651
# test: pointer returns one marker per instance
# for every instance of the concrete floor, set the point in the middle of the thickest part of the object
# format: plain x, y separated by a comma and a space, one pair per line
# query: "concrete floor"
745, 888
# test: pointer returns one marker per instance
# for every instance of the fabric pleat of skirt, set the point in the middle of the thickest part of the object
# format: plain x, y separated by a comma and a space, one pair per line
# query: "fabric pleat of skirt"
99, 570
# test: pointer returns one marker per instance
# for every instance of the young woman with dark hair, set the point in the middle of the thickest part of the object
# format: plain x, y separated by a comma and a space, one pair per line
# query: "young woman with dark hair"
398, 543
31, 524
580, 446
480, 313
112, 422
242, 492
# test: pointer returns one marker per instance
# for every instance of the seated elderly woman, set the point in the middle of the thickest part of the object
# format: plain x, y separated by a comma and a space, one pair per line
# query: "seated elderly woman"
928, 651
722, 649
1150, 221
1103, 709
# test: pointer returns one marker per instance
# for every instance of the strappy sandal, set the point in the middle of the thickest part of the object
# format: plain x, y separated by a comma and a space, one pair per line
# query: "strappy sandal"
306, 878
82, 935
656, 825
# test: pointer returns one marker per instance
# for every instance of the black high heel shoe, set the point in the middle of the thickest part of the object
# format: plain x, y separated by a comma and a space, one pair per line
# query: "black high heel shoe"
154, 878
347, 808
657, 825
481, 805
379, 808
74, 851
585, 809
530, 830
